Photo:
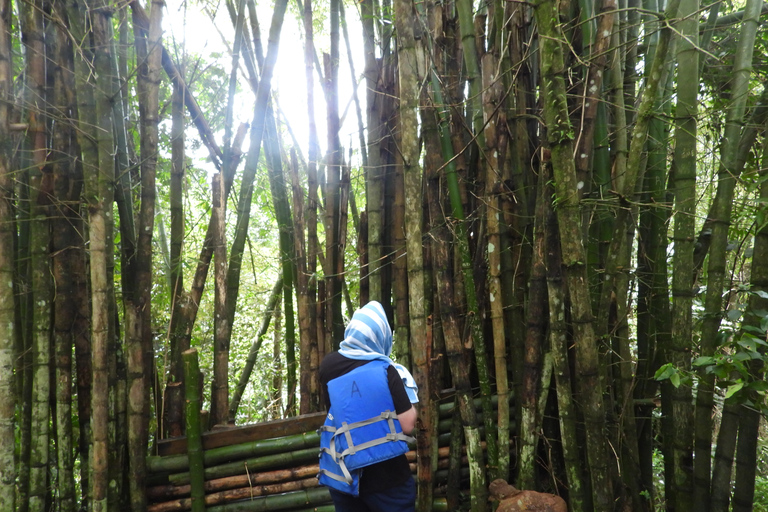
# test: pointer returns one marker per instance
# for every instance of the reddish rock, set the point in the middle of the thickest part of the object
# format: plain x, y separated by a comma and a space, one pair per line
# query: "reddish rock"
513, 500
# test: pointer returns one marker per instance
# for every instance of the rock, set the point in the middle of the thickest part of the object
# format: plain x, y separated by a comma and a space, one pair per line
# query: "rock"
513, 500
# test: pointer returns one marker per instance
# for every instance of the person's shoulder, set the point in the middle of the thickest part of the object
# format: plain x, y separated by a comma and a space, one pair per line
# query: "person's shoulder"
327, 365
335, 365
330, 357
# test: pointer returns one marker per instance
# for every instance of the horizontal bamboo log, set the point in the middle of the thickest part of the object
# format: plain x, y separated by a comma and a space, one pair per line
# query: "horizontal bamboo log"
441, 464
231, 495
216, 456
446, 409
321, 508
438, 505
317, 499
260, 464
178, 492
265, 477
270, 469
248, 486
314, 496
270, 429
246, 433
266, 463
162, 492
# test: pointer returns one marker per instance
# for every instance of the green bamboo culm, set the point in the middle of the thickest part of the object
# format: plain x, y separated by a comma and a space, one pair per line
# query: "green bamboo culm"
289, 500
317, 499
462, 239
194, 438
474, 112
180, 462
278, 460
216, 456
560, 137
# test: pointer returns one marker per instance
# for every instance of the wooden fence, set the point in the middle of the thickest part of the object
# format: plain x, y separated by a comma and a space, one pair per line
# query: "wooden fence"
270, 466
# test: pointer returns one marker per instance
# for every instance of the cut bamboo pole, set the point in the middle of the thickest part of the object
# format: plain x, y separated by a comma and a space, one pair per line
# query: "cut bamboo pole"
164, 492
315, 496
177, 492
229, 436
232, 495
438, 505
216, 456
247, 486
284, 467
194, 441
269, 462
240, 462
178, 462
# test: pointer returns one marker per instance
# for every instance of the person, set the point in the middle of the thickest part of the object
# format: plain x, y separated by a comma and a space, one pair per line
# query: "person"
370, 414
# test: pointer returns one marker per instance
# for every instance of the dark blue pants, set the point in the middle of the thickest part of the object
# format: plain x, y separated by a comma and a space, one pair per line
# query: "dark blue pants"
401, 498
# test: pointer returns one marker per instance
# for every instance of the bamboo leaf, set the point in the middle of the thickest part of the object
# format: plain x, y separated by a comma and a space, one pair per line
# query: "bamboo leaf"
665, 372
733, 389
703, 361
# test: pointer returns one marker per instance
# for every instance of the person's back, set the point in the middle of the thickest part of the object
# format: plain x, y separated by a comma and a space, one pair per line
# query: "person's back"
359, 380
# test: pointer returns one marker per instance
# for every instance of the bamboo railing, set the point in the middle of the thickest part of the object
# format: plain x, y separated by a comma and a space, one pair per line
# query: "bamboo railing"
266, 466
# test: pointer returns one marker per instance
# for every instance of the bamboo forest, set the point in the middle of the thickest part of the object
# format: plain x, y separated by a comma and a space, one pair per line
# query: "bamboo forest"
562, 206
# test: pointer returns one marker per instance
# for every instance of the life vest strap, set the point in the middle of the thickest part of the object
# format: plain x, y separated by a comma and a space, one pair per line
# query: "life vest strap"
352, 448
346, 477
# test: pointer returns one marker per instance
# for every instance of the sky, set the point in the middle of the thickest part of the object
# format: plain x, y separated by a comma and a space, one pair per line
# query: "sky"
191, 24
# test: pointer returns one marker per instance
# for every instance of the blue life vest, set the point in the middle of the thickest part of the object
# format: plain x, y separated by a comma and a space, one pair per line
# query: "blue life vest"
361, 428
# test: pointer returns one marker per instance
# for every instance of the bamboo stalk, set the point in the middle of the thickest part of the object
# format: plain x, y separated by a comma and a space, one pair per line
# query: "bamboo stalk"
315, 496
454, 462
268, 463
322, 508
248, 487
161, 492
217, 456
270, 477
438, 505
241, 493
178, 462
253, 464
246, 492
264, 470
194, 441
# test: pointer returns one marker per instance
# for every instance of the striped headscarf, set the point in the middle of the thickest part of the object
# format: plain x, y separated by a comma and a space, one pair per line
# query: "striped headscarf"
368, 337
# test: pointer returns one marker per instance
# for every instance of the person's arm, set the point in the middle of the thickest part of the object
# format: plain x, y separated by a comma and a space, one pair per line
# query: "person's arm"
406, 412
408, 420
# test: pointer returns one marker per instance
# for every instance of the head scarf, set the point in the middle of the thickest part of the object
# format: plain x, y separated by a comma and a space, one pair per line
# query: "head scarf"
368, 337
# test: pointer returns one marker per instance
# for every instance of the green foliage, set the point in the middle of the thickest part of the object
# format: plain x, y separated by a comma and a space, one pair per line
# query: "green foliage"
208, 80
673, 374
735, 366
658, 480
